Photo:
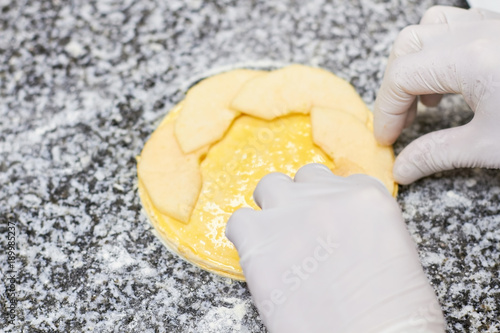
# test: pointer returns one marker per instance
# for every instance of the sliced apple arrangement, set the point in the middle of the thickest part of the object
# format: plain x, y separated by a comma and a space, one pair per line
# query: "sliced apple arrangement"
204, 160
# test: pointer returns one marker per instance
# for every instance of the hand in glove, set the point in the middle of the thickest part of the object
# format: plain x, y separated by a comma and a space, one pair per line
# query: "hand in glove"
332, 254
452, 51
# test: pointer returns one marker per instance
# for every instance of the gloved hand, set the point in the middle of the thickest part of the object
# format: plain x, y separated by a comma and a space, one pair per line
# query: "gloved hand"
452, 51
332, 254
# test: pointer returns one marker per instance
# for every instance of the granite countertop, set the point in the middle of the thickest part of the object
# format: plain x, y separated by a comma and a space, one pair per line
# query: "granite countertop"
82, 86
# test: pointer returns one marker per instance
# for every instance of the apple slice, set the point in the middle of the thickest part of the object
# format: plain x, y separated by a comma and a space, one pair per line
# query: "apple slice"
348, 141
171, 178
296, 89
205, 115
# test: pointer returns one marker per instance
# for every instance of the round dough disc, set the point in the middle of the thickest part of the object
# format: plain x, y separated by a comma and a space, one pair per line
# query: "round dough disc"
230, 169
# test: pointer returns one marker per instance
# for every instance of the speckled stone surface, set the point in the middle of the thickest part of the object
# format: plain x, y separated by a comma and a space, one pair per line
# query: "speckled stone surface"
82, 86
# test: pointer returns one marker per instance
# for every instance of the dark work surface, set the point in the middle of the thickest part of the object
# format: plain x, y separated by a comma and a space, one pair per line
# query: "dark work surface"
82, 86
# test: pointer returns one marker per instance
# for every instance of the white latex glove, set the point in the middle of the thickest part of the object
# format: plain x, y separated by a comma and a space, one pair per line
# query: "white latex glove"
452, 51
332, 254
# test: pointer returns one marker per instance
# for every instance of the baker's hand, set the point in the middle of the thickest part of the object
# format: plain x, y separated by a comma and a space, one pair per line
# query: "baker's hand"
332, 254
452, 51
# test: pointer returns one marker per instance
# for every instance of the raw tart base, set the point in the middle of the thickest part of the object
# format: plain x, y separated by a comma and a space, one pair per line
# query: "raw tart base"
233, 165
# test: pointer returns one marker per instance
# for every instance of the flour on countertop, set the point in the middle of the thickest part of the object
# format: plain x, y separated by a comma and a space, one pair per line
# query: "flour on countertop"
82, 86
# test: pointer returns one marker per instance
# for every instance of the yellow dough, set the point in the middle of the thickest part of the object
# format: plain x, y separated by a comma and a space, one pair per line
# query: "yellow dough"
172, 178
296, 89
206, 114
230, 173
333, 133
190, 196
